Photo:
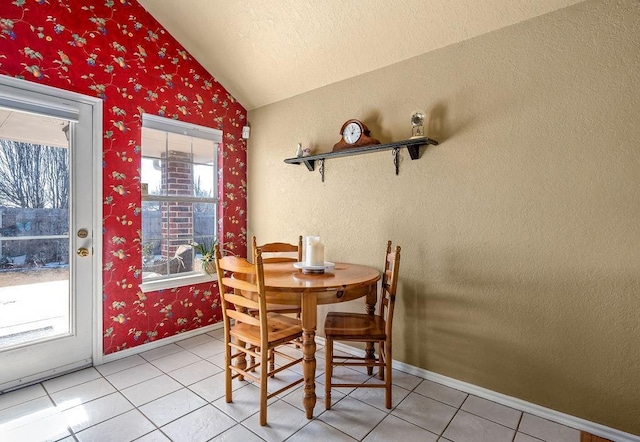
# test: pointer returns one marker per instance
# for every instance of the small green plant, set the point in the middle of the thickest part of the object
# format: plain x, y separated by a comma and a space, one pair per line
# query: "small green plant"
208, 254
147, 252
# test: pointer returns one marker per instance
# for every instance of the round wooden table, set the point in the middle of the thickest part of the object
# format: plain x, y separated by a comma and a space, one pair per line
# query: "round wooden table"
285, 284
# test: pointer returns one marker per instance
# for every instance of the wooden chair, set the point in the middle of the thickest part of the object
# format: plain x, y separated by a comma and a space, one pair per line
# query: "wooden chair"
255, 336
275, 252
277, 249
362, 327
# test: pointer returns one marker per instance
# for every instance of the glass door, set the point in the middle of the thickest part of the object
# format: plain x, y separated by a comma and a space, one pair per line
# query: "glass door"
46, 256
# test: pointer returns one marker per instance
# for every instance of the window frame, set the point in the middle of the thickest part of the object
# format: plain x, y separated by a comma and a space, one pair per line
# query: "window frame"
195, 131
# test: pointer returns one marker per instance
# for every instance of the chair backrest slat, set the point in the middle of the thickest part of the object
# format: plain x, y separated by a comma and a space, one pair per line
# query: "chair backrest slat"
239, 300
240, 284
279, 248
243, 317
237, 264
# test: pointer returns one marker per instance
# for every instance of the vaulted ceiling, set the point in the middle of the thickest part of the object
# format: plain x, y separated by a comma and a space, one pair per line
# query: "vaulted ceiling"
264, 51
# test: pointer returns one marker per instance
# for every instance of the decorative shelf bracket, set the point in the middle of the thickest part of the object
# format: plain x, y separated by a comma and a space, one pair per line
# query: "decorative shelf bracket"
321, 168
310, 164
412, 145
396, 160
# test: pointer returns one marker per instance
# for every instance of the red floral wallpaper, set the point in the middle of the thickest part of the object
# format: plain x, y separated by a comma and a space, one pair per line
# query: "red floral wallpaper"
116, 51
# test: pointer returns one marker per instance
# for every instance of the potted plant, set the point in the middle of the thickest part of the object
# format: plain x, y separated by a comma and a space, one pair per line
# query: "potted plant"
207, 259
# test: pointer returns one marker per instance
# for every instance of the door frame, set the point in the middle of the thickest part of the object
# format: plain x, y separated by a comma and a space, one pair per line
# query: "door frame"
97, 170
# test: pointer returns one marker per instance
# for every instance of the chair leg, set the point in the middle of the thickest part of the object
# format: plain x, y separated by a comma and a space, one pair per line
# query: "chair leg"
227, 372
381, 352
272, 361
370, 357
328, 372
388, 361
264, 357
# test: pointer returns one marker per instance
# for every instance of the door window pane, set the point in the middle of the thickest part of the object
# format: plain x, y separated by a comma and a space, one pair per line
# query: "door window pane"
34, 228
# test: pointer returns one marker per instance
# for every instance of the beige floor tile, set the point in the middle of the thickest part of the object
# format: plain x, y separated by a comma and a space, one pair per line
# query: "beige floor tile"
238, 433
134, 375
151, 390
493, 411
442, 393
71, 380
161, 352
175, 361
283, 420
467, 427
353, 417
154, 436
127, 426
97, 411
245, 402
172, 406
195, 372
295, 396
16, 397
318, 430
217, 334
209, 349
376, 396
393, 428
405, 380
199, 425
521, 437
195, 340
425, 412
120, 364
82, 393
35, 424
546, 430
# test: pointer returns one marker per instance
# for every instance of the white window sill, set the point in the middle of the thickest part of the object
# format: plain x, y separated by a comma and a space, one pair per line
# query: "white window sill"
177, 281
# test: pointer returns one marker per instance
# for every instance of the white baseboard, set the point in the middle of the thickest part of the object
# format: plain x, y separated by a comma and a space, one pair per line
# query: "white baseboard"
518, 404
159, 343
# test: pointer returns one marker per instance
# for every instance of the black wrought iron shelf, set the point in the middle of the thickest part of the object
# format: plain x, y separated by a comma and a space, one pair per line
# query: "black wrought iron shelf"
412, 145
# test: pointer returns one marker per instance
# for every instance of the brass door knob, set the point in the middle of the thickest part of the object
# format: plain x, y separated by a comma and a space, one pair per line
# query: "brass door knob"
83, 251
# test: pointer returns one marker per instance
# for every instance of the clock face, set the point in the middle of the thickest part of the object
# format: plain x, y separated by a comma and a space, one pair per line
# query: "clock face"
352, 133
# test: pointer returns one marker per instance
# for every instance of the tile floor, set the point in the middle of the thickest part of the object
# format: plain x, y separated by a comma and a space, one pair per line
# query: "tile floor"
176, 393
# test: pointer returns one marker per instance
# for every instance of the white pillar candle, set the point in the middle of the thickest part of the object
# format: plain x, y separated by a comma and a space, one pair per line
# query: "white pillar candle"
314, 252
317, 254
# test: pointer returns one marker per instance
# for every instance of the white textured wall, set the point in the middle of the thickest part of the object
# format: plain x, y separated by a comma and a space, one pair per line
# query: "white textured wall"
520, 232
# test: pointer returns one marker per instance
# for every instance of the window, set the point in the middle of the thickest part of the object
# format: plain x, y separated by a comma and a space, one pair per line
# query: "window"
179, 199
